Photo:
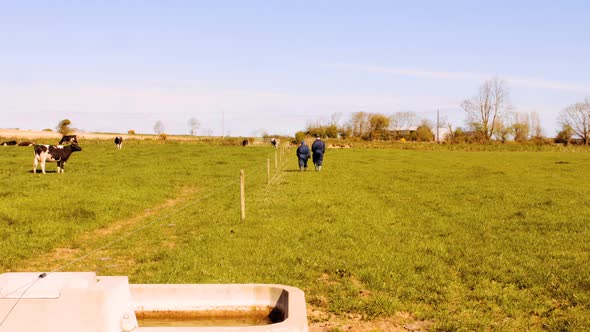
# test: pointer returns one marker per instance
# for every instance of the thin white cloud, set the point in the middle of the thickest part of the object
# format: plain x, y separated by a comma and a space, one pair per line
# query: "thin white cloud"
551, 85
423, 73
448, 75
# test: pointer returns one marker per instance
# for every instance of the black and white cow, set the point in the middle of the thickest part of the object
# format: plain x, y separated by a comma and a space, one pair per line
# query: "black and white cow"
26, 143
58, 153
68, 139
275, 143
245, 142
119, 142
8, 143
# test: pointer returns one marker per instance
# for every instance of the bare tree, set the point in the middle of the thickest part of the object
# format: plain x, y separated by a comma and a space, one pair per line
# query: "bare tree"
335, 118
159, 127
577, 117
193, 125
450, 138
403, 120
484, 109
359, 124
536, 130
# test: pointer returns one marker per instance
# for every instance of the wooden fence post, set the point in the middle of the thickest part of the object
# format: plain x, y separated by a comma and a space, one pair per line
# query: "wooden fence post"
268, 170
242, 196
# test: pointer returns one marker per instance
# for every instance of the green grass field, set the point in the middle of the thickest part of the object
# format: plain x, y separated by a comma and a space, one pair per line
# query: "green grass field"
464, 240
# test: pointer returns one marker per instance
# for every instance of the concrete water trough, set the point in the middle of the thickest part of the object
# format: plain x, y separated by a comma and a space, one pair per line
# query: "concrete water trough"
82, 301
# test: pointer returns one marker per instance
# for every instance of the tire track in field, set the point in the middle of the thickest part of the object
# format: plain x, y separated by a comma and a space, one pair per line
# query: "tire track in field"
61, 255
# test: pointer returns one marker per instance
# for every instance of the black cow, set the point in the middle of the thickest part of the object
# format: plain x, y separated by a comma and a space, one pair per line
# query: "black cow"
26, 143
119, 142
8, 143
245, 142
59, 153
68, 139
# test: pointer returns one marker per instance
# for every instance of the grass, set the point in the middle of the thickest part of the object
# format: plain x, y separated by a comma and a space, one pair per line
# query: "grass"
467, 240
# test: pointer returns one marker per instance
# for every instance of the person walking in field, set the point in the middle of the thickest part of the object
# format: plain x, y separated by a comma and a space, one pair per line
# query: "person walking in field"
303, 155
318, 148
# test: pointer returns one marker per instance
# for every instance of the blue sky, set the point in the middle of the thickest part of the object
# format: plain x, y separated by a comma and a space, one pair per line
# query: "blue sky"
277, 65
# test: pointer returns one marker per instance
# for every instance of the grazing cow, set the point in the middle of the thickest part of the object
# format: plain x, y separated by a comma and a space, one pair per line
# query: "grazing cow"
119, 142
68, 139
8, 143
245, 142
26, 143
275, 143
58, 153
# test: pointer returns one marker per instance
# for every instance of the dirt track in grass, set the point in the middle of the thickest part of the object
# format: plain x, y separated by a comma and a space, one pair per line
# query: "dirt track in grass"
62, 255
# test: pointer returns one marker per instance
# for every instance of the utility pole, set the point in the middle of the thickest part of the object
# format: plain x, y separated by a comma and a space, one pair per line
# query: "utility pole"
437, 126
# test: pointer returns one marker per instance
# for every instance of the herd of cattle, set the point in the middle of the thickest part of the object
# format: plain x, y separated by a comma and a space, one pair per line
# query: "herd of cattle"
59, 153
19, 144
274, 142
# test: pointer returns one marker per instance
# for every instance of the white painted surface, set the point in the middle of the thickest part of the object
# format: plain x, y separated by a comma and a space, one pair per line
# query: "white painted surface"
81, 301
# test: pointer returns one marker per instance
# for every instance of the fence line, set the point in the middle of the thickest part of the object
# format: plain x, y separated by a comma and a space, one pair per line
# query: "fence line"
277, 173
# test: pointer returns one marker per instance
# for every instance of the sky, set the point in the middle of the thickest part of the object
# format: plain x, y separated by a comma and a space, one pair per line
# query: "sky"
248, 67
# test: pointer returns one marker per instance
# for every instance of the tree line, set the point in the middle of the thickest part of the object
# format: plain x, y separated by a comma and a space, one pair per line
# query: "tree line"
373, 126
489, 117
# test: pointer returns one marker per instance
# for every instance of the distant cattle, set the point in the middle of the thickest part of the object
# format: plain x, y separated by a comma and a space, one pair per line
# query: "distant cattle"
119, 142
245, 142
59, 154
275, 143
8, 143
26, 143
68, 139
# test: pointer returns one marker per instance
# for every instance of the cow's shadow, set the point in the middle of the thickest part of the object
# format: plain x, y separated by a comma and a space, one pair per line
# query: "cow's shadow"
41, 172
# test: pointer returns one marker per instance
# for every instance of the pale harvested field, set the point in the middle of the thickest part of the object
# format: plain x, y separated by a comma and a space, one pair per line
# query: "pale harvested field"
36, 134
31, 135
